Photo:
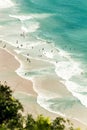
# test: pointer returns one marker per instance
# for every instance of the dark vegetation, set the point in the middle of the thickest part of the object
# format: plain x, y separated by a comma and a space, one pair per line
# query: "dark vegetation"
11, 117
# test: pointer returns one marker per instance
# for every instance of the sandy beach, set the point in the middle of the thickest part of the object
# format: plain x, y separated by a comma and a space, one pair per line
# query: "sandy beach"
22, 88
8, 66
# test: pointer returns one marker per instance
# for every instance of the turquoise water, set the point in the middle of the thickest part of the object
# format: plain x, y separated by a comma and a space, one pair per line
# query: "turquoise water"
59, 26
67, 25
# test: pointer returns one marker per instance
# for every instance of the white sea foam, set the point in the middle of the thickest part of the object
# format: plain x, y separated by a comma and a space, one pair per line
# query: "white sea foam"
82, 98
30, 16
17, 51
41, 16
35, 44
21, 17
64, 54
6, 4
24, 29
43, 97
48, 54
74, 87
43, 103
77, 91
32, 27
67, 69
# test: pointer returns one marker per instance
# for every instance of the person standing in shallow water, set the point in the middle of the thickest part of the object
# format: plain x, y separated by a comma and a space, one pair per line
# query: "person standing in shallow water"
28, 60
4, 46
17, 41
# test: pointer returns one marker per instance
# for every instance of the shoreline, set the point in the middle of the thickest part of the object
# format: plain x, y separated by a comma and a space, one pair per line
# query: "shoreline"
21, 81
9, 70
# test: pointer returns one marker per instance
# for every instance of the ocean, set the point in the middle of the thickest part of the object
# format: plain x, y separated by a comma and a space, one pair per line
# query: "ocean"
52, 36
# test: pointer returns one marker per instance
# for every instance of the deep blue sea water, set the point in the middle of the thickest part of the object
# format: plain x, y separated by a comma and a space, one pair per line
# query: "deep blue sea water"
62, 24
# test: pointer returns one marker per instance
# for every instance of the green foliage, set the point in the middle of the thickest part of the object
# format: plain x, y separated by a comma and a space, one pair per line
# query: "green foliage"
58, 124
3, 127
43, 123
9, 107
16, 123
78, 129
30, 123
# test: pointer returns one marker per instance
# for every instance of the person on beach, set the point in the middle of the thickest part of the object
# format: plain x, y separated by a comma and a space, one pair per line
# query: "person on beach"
25, 73
21, 45
40, 55
42, 49
27, 54
22, 34
17, 41
51, 50
17, 46
57, 50
4, 46
28, 60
